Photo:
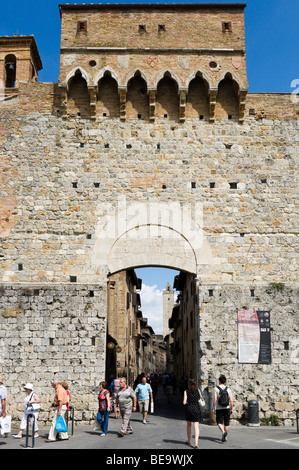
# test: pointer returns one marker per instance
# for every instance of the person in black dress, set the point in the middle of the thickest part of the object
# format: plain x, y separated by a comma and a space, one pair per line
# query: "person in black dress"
192, 410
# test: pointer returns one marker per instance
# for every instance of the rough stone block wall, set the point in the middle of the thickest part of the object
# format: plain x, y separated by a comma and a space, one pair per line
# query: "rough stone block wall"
58, 175
274, 386
52, 331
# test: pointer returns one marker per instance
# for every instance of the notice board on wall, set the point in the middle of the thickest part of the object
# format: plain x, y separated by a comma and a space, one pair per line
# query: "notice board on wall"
254, 337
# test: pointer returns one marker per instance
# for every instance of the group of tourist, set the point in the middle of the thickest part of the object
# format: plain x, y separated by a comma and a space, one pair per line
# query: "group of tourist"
125, 401
124, 398
32, 406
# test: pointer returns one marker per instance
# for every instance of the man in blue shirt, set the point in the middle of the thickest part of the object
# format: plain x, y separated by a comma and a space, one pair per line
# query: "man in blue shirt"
144, 392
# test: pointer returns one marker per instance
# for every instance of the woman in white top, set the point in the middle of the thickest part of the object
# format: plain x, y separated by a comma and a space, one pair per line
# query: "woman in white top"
30, 398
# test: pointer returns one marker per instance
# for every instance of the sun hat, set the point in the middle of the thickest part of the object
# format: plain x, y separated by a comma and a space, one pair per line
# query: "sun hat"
28, 386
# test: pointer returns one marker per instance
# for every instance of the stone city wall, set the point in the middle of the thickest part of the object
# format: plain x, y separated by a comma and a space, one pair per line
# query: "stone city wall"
52, 331
275, 385
59, 175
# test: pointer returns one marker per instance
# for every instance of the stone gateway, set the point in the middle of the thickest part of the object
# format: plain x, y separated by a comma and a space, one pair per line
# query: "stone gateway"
149, 151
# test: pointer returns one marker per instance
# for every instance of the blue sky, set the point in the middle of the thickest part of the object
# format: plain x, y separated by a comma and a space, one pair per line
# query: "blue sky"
272, 64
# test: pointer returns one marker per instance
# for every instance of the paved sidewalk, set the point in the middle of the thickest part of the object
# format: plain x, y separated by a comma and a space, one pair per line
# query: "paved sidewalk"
165, 430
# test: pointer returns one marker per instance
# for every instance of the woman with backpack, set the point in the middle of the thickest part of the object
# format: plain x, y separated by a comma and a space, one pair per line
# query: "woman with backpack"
104, 408
223, 406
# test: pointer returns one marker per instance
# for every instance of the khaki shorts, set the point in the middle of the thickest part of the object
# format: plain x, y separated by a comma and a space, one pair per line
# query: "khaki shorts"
143, 405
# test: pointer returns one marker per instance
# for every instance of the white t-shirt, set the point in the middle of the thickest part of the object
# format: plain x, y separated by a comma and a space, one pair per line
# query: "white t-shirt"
3, 395
216, 393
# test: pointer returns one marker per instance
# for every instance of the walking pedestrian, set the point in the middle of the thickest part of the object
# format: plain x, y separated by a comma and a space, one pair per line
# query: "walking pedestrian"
192, 411
223, 406
144, 393
66, 388
154, 384
60, 402
104, 408
116, 385
126, 400
30, 398
3, 397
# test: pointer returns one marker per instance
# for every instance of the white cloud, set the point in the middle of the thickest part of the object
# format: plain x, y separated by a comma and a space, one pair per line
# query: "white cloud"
152, 307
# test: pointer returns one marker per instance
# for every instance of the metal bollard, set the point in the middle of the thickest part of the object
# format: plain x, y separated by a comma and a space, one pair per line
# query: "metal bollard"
33, 429
72, 412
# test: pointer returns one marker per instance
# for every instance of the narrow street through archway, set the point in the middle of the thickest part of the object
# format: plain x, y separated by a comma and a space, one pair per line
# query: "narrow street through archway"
151, 325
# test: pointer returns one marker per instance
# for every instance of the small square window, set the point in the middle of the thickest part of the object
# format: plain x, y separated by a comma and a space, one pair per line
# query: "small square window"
142, 28
161, 27
81, 26
226, 26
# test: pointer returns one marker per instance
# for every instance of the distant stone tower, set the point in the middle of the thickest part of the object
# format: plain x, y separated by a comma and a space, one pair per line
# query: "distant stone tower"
168, 303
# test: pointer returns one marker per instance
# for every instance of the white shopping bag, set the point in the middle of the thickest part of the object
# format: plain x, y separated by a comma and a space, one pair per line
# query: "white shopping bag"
152, 406
5, 425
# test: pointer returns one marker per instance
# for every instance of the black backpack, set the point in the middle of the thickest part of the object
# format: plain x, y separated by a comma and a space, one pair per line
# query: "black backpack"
223, 399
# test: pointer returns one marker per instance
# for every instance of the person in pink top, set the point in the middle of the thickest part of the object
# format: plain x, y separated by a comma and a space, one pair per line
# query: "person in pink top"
116, 386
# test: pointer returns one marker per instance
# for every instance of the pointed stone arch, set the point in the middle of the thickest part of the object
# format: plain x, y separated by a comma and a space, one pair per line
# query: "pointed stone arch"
201, 74
103, 71
168, 96
108, 103
78, 99
230, 75
74, 72
198, 96
227, 99
137, 101
169, 73
134, 73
